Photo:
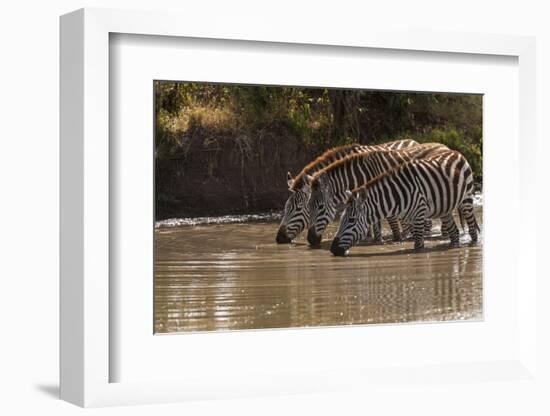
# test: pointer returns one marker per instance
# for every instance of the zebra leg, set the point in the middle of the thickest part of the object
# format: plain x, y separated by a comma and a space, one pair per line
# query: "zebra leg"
428, 227
467, 211
418, 234
419, 221
377, 233
407, 229
444, 230
450, 226
369, 236
370, 233
394, 225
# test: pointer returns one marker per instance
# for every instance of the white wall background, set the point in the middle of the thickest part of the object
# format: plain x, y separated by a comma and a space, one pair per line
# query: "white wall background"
29, 116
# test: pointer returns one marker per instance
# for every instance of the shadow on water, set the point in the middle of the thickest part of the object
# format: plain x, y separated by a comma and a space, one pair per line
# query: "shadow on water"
405, 252
325, 245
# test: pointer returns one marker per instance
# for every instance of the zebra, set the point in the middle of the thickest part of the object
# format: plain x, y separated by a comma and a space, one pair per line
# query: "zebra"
328, 185
413, 191
295, 216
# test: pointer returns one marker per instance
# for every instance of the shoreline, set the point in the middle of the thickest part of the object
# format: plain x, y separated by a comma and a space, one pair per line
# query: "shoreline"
274, 216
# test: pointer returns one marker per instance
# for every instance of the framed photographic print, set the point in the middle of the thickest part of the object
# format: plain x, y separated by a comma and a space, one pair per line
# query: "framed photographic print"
231, 250
268, 214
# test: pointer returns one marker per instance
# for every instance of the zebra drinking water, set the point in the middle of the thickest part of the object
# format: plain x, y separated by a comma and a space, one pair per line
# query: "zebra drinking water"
414, 191
329, 185
296, 216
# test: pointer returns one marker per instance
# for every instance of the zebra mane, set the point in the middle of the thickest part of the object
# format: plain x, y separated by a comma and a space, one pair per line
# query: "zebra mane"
342, 162
354, 156
299, 179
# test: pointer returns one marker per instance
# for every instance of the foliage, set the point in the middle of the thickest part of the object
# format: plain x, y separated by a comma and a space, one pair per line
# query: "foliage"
277, 129
459, 140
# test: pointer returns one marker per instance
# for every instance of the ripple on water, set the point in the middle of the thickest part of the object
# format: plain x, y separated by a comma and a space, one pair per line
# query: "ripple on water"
227, 276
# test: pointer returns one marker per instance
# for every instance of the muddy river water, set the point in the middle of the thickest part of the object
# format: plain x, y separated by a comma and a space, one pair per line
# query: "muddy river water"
234, 276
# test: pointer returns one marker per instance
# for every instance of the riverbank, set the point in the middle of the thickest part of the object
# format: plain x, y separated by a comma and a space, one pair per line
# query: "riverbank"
273, 216
226, 149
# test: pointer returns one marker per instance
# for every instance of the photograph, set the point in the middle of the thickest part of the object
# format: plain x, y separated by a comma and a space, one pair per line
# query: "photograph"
311, 206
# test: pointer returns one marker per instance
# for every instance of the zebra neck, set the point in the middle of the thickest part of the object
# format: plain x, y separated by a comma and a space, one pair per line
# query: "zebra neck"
349, 177
380, 203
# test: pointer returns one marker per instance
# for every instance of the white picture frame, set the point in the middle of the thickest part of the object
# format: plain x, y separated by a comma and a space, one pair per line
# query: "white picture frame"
86, 356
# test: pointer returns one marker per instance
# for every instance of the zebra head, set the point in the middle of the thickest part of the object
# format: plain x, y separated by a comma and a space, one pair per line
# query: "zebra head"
296, 215
354, 224
322, 208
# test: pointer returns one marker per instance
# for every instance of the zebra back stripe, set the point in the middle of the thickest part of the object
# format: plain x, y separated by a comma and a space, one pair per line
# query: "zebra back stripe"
337, 153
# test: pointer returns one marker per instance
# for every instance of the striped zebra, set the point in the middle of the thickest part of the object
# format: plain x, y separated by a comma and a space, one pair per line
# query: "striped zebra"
414, 191
296, 217
329, 185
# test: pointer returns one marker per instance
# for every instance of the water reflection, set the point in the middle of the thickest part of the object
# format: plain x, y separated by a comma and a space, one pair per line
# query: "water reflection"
233, 276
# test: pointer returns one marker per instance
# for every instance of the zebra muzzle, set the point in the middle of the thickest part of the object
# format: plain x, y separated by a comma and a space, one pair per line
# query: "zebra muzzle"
282, 237
312, 238
336, 249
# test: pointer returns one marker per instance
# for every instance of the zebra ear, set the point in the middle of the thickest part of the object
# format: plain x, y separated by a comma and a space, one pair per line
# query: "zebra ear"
289, 180
308, 179
350, 195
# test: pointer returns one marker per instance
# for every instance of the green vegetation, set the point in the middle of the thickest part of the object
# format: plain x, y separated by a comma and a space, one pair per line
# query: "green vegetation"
460, 140
227, 148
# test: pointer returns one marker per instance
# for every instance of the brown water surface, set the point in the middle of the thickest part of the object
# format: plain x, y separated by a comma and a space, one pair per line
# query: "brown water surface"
234, 276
